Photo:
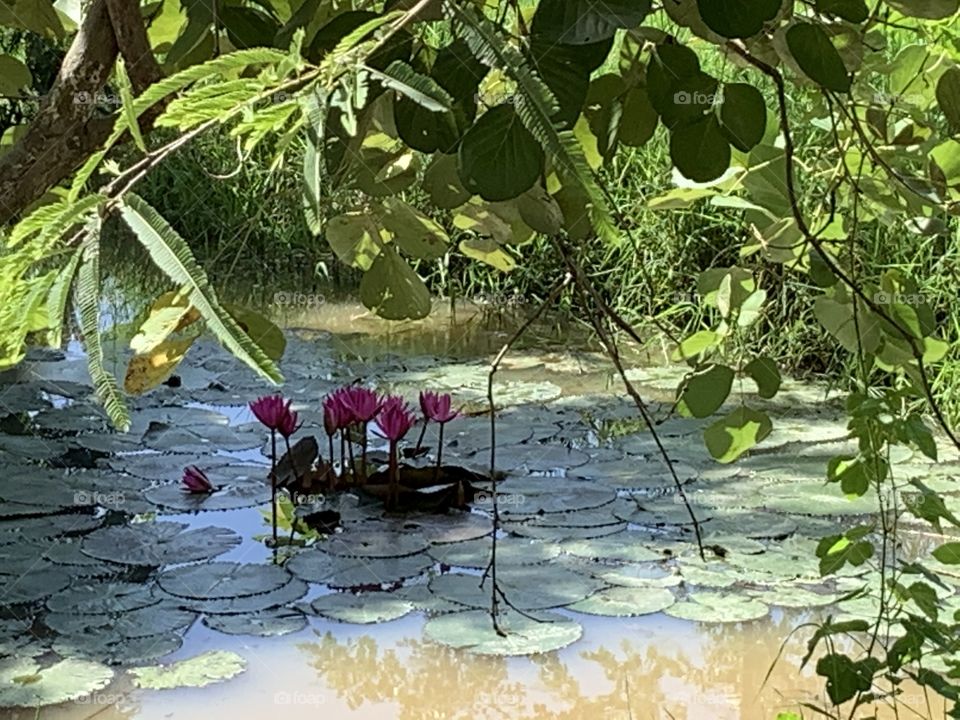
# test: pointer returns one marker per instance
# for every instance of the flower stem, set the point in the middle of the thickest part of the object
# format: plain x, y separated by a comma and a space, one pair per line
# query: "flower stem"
393, 491
423, 431
273, 483
363, 455
333, 477
436, 470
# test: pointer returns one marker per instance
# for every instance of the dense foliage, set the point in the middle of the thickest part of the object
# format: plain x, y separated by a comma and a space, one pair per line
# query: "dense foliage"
431, 127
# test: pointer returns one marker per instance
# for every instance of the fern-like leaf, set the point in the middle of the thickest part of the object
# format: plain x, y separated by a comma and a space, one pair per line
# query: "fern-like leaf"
171, 254
88, 304
423, 90
535, 106
58, 296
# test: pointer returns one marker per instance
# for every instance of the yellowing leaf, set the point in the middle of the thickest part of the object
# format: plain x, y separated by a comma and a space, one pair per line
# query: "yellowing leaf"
170, 313
148, 370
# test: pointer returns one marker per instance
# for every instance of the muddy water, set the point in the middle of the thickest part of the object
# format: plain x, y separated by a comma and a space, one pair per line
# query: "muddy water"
652, 667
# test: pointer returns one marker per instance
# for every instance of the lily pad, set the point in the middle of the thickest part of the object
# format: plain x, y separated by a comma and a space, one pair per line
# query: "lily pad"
538, 457
473, 632
230, 497
529, 587
267, 623
640, 575
96, 598
374, 542
158, 543
24, 683
342, 572
222, 580
510, 551
626, 601
711, 607
293, 590
361, 609
624, 547
200, 671
529, 496
35, 584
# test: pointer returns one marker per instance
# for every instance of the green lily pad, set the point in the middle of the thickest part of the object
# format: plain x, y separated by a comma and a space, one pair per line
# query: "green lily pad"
112, 649
473, 632
711, 607
534, 496
421, 598
361, 609
267, 623
812, 498
374, 542
107, 597
528, 587
317, 566
200, 671
789, 596
626, 601
640, 575
158, 543
292, 591
625, 547
537, 457
510, 551
222, 580
559, 533
24, 683
230, 497
156, 619
35, 584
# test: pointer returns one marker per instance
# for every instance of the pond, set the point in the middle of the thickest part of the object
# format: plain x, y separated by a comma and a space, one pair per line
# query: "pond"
122, 597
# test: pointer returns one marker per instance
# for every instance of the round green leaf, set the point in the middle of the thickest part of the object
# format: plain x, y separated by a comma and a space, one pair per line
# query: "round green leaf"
626, 601
765, 374
743, 115
728, 438
926, 9
355, 238
699, 150
817, 57
225, 580
498, 157
393, 290
443, 184
363, 608
718, 607
639, 118
855, 11
578, 22
199, 671
23, 683
706, 391
489, 251
737, 18
562, 69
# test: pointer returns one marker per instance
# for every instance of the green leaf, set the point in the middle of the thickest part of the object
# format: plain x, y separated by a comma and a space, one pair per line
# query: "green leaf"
926, 9
817, 57
393, 290
171, 254
88, 304
948, 553
356, 239
169, 313
705, 391
845, 678
442, 182
563, 71
489, 251
59, 296
765, 374
14, 76
415, 233
696, 344
743, 115
578, 22
947, 157
737, 18
839, 320
700, 150
260, 329
728, 438
638, 120
948, 96
129, 114
855, 11
498, 158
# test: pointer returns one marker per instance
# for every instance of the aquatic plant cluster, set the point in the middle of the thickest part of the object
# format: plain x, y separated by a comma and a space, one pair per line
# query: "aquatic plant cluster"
347, 414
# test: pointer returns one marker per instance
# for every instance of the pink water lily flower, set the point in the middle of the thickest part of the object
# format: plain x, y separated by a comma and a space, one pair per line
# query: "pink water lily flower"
195, 481
436, 406
363, 403
276, 414
395, 418
335, 415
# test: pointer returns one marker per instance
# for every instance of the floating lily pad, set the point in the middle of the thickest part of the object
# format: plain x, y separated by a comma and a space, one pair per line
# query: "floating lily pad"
631, 474
342, 572
529, 587
112, 649
626, 601
528, 496
293, 590
200, 671
559, 533
230, 497
267, 623
538, 457
659, 512
24, 683
34, 584
710, 575
473, 632
32, 447
158, 543
640, 575
789, 596
361, 609
713, 607
751, 524
812, 498
510, 551
371, 541
68, 553
452, 528
222, 580
421, 598
98, 598
156, 619
625, 547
